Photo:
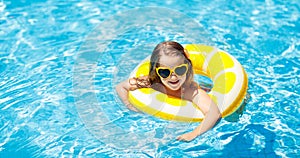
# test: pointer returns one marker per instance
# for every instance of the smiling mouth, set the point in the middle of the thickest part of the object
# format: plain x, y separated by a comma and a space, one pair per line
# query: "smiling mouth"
174, 82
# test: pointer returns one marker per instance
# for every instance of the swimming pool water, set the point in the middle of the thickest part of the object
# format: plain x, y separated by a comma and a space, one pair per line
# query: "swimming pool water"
60, 61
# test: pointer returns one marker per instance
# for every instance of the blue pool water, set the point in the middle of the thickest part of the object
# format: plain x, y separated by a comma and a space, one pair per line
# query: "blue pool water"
60, 61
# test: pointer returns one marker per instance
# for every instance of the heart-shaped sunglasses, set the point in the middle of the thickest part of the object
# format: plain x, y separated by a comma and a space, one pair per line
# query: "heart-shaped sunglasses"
165, 72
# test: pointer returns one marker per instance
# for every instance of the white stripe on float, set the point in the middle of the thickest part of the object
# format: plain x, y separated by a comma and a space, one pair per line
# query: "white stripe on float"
208, 58
188, 110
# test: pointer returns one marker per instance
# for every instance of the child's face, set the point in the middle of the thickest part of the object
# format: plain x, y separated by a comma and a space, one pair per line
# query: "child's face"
174, 81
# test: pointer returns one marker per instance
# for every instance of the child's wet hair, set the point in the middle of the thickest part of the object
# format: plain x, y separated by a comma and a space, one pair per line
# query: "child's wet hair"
169, 48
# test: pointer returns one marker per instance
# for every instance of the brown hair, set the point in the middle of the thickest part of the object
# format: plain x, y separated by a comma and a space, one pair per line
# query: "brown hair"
169, 48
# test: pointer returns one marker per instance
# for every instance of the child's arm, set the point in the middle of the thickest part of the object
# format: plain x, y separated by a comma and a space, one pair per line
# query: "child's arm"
122, 90
211, 112
129, 85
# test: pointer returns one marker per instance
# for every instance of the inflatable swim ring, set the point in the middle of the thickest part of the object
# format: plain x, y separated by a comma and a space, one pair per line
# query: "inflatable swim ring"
230, 85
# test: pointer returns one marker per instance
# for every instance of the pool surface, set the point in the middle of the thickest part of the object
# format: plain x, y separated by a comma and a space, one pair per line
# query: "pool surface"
60, 62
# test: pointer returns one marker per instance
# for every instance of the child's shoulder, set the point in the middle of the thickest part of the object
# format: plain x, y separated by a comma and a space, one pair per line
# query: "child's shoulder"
193, 90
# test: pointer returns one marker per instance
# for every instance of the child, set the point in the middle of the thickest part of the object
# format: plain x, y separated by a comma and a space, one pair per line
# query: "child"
171, 73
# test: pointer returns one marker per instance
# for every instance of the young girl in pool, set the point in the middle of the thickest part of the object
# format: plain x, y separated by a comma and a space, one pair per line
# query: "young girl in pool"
171, 73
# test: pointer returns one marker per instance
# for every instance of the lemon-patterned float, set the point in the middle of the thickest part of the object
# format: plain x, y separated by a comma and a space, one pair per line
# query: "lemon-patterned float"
229, 86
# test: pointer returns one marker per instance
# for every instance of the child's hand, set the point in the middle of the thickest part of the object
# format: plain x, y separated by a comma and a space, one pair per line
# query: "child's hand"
132, 108
187, 136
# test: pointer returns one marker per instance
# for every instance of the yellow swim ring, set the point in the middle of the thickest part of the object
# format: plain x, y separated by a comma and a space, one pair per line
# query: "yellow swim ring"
230, 85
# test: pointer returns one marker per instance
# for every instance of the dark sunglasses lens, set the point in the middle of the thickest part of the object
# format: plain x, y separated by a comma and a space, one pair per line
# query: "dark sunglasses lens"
180, 70
164, 73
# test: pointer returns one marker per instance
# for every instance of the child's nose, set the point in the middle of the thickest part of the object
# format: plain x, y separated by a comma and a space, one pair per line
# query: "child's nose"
173, 75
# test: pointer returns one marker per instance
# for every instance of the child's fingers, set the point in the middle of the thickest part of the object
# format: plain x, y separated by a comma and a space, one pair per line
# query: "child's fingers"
131, 107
